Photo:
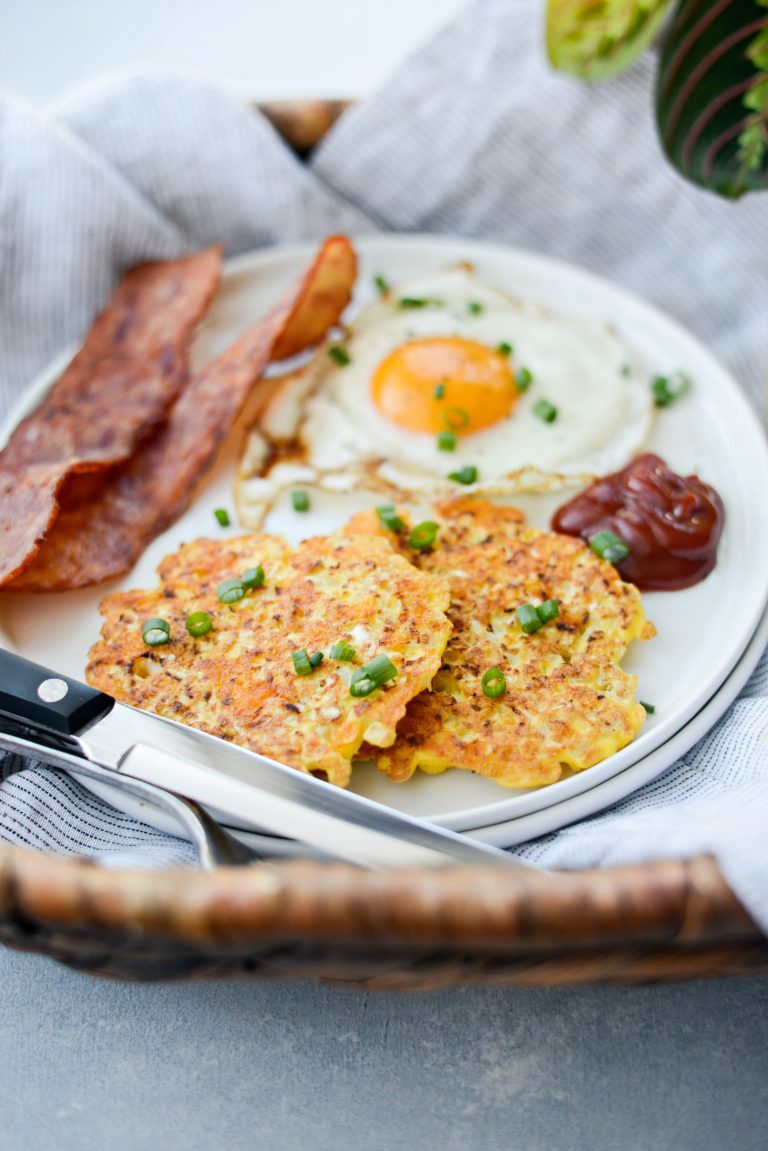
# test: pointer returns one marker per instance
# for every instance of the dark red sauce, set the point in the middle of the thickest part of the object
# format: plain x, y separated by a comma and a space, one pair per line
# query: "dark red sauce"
671, 524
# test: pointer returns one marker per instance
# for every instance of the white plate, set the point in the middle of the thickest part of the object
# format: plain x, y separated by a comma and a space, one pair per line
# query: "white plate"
527, 827
702, 631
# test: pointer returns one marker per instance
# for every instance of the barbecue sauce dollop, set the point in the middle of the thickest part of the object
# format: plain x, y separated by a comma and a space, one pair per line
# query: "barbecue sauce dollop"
671, 524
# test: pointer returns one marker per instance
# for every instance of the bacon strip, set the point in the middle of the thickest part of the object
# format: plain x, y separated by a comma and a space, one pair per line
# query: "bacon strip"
104, 537
118, 387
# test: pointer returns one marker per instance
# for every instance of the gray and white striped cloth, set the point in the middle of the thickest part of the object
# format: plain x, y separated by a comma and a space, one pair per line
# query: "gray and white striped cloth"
474, 136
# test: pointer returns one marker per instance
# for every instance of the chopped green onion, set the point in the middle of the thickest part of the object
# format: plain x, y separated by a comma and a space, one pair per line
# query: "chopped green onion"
342, 650
388, 518
361, 687
156, 631
199, 623
439, 391
505, 349
648, 707
316, 659
474, 308
381, 285
494, 682
455, 419
156, 622
523, 379
339, 355
371, 675
548, 610
446, 441
609, 547
423, 536
532, 618
466, 475
545, 411
222, 515
230, 591
664, 393
416, 302
301, 662
154, 637
300, 500
626, 370
528, 618
253, 577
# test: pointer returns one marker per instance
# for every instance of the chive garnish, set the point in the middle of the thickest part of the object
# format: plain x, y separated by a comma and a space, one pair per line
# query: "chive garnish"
222, 515
253, 577
301, 662
156, 631
417, 302
455, 419
505, 349
316, 659
439, 391
474, 308
609, 547
371, 675
649, 707
528, 618
494, 683
199, 623
666, 391
548, 610
339, 355
342, 650
381, 285
625, 369
300, 500
465, 475
423, 536
230, 591
545, 411
532, 618
388, 518
446, 441
523, 379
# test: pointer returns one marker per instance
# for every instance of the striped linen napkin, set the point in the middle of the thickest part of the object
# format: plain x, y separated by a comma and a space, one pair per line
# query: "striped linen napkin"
473, 136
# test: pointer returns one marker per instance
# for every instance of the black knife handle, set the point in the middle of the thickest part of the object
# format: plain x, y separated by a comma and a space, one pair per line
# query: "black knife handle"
33, 695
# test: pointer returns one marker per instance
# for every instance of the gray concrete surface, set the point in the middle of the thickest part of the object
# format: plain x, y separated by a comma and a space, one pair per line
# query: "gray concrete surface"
88, 1064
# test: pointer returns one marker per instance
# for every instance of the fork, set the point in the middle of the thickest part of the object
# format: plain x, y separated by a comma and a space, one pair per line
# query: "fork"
216, 847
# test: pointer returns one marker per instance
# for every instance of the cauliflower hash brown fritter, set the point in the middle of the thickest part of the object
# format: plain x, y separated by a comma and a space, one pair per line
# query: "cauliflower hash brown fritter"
238, 681
567, 703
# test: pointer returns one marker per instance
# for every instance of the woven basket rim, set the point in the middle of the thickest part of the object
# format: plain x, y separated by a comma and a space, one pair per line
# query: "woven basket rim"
682, 902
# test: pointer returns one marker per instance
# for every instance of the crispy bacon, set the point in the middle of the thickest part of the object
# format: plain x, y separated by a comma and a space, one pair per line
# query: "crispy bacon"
119, 386
104, 536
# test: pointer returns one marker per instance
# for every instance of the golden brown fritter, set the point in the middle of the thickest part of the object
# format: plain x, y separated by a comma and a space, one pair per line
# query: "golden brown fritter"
567, 702
238, 681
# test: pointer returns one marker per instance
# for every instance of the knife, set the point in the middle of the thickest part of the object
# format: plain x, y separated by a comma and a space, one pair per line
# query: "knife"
61, 717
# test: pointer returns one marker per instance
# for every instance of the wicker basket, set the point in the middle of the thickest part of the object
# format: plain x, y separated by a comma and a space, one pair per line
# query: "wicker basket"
664, 921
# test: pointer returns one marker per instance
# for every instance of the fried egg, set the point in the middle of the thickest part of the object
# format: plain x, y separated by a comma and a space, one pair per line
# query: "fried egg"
447, 373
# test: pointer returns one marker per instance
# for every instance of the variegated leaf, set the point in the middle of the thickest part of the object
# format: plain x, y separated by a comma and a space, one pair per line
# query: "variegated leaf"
595, 39
712, 94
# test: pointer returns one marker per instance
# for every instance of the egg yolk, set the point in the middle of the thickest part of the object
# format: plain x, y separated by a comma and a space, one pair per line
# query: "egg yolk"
444, 382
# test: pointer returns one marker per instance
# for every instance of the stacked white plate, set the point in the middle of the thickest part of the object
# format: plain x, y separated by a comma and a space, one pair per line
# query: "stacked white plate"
710, 637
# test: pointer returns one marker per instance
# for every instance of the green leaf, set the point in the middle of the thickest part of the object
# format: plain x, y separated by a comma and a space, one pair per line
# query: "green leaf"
594, 39
712, 95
